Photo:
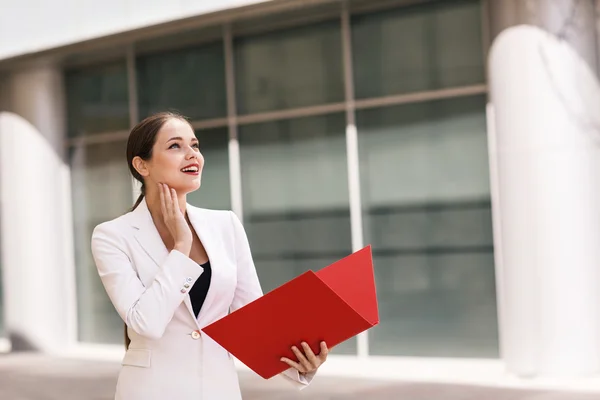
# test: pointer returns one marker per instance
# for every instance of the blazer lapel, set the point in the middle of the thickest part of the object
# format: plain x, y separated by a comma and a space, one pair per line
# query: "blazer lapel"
147, 235
188, 304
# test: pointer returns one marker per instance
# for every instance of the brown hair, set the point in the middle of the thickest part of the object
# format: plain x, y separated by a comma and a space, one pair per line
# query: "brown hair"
140, 143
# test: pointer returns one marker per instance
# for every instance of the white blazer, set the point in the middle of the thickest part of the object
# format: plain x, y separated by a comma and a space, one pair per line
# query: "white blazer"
169, 356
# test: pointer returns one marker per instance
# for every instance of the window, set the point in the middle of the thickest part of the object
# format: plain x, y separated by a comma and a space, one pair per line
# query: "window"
293, 68
97, 99
102, 190
295, 195
427, 212
190, 81
214, 190
417, 48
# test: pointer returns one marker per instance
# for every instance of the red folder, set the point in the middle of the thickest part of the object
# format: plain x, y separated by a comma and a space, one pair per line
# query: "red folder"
331, 305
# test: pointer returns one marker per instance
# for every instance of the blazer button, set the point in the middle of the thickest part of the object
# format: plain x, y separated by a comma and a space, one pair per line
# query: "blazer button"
183, 290
195, 335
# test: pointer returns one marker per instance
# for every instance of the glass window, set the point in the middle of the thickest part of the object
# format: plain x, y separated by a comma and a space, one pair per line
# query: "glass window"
416, 48
295, 193
102, 190
292, 68
427, 213
215, 190
97, 99
190, 81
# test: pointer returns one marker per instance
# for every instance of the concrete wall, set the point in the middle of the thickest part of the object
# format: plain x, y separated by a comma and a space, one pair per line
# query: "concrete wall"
34, 26
36, 238
545, 98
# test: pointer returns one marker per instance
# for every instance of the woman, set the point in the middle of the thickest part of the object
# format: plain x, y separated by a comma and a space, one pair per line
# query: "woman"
170, 269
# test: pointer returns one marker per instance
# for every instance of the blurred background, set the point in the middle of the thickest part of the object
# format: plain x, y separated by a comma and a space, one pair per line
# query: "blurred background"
460, 138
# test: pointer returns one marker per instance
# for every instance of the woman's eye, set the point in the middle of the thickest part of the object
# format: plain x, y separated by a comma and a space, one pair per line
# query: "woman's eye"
173, 146
196, 145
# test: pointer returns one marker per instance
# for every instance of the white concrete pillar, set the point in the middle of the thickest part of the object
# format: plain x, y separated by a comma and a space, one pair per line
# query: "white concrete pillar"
545, 98
36, 237
572, 21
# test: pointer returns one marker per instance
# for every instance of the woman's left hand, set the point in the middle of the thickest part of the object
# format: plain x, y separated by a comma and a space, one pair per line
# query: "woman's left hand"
307, 360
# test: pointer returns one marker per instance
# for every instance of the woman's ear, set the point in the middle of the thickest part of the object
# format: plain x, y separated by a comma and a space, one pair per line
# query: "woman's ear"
140, 166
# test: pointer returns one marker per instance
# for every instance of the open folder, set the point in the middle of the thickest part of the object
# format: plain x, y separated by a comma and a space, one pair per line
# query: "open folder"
331, 305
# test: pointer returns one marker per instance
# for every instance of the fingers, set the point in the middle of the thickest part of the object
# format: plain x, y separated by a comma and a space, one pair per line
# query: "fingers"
174, 203
324, 352
314, 361
307, 361
293, 364
306, 365
168, 201
163, 200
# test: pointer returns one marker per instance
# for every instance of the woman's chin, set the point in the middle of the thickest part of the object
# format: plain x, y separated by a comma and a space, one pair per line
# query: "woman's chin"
189, 187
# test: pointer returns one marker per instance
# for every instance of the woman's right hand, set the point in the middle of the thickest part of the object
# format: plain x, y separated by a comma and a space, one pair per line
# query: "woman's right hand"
175, 220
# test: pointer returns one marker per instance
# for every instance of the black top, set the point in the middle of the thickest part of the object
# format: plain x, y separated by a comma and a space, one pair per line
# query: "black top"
200, 289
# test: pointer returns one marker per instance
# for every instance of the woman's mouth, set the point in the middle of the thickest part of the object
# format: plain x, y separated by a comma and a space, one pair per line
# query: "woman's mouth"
191, 169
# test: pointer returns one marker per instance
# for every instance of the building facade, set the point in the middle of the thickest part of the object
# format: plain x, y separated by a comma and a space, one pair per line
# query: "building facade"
325, 125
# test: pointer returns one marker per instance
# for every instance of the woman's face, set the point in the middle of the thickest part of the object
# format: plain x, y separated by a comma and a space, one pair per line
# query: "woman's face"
176, 158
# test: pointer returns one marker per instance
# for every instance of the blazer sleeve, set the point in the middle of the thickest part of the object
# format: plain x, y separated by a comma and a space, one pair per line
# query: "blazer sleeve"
248, 289
146, 310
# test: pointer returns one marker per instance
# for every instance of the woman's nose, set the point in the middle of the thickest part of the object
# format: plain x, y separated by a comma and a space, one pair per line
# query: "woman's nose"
191, 153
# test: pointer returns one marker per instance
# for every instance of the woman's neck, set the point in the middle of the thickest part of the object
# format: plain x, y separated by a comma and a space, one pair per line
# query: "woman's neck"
154, 204
155, 208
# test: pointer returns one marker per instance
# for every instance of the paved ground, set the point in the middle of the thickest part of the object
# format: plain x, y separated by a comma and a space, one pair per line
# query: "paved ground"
32, 377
